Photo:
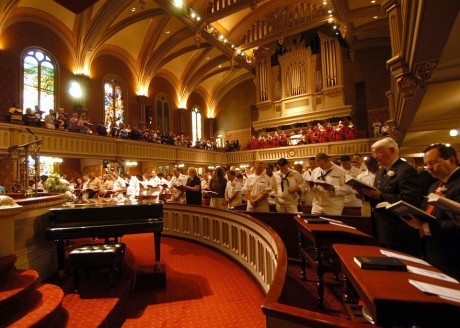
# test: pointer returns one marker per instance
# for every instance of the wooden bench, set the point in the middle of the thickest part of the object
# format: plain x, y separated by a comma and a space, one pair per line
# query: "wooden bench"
97, 256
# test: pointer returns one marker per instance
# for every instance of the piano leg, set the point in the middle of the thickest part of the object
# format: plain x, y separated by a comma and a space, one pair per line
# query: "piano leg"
157, 240
60, 257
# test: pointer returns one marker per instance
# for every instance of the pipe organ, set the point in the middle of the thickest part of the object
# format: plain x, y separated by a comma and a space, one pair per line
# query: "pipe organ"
304, 86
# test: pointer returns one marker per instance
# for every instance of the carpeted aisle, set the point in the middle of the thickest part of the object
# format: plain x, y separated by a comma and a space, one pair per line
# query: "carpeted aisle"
204, 288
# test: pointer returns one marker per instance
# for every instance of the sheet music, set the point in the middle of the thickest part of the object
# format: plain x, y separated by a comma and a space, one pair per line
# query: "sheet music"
444, 292
432, 274
404, 257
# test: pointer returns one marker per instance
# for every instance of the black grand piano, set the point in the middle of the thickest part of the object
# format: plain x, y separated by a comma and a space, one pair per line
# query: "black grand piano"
104, 221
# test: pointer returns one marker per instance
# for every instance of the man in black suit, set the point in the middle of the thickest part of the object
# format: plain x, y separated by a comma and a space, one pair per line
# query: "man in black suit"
396, 180
441, 237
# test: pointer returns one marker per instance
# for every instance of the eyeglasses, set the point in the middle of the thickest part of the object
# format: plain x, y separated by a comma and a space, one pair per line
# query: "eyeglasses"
378, 151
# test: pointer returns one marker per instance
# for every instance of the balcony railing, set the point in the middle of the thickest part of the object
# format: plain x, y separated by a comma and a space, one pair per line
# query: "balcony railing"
77, 145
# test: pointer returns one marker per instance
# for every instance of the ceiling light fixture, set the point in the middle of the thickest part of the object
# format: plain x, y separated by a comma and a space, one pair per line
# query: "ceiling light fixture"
178, 3
453, 133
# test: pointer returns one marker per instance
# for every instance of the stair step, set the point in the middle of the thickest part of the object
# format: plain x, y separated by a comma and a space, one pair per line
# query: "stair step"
7, 267
16, 290
43, 309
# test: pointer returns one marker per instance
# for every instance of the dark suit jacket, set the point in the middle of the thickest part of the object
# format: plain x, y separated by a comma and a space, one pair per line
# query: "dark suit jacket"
392, 232
442, 248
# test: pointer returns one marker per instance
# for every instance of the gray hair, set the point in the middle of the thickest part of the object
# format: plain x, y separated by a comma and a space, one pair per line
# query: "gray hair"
387, 143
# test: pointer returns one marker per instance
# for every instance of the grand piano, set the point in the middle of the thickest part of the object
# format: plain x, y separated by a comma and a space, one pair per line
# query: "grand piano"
104, 221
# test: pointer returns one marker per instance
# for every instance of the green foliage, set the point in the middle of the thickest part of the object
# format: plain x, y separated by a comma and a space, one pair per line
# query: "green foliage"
55, 184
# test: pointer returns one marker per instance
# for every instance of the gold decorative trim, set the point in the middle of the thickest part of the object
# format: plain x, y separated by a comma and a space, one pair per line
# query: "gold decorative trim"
332, 92
423, 71
408, 85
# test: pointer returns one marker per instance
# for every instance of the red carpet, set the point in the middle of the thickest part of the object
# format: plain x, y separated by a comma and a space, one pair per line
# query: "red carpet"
204, 288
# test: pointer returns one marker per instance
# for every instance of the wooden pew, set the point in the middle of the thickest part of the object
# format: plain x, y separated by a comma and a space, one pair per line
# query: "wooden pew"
285, 225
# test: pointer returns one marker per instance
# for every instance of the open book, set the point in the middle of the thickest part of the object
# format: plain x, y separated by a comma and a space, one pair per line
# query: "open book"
401, 208
358, 184
444, 203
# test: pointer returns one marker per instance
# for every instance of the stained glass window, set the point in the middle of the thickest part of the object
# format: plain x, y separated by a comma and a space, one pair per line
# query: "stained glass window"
38, 80
113, 103
196, 125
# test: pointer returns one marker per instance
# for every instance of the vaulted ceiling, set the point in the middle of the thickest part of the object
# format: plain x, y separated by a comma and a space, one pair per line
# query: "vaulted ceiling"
156, 38
208, 50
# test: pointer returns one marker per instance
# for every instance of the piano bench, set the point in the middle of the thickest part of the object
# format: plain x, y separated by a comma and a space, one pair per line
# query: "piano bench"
97, 256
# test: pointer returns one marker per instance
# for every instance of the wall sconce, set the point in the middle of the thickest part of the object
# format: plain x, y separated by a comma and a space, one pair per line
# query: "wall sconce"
75, 89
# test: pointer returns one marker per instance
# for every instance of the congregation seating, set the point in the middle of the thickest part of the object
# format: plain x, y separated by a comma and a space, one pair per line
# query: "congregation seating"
286, 227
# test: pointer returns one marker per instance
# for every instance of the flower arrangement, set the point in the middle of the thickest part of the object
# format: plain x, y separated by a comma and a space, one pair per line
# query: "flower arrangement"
54, 183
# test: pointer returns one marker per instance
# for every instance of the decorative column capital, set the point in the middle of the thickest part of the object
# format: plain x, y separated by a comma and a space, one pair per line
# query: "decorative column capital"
142, 99
408, 85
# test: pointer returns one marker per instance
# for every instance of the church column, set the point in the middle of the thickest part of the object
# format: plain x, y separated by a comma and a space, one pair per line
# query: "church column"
142, 102
182, 112
211, 123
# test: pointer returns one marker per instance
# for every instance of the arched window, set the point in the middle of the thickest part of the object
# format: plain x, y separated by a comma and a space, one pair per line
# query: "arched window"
38, 80
196, 124
114, 107
162, 114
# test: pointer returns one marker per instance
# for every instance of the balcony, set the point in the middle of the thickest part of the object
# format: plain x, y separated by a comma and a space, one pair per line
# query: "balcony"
76, 145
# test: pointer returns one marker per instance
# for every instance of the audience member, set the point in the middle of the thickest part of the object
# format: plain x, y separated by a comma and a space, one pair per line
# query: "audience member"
441, 237
233, 190
176, 185
287, 187
217, 186
396, 180
328, 198
257, 188
193, 188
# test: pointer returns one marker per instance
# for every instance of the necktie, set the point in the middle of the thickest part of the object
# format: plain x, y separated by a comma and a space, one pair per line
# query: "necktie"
284, 179
438, 191
323, 175
430, 208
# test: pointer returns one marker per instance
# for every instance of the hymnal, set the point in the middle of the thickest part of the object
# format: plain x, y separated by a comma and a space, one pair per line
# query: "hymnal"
316, 221
358, 184
401, 208
211, 193
444, 203
379, 263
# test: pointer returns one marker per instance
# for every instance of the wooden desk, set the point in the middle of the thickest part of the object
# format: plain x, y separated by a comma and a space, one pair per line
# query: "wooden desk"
315, 246
389, 297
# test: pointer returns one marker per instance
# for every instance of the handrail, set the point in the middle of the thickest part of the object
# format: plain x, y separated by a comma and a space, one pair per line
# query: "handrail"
79, 145
218, 228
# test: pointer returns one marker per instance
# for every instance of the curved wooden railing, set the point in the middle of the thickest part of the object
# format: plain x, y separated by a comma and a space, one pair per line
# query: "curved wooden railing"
256, 247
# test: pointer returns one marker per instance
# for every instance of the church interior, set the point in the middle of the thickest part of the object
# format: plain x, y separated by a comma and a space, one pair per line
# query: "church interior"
207, 83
